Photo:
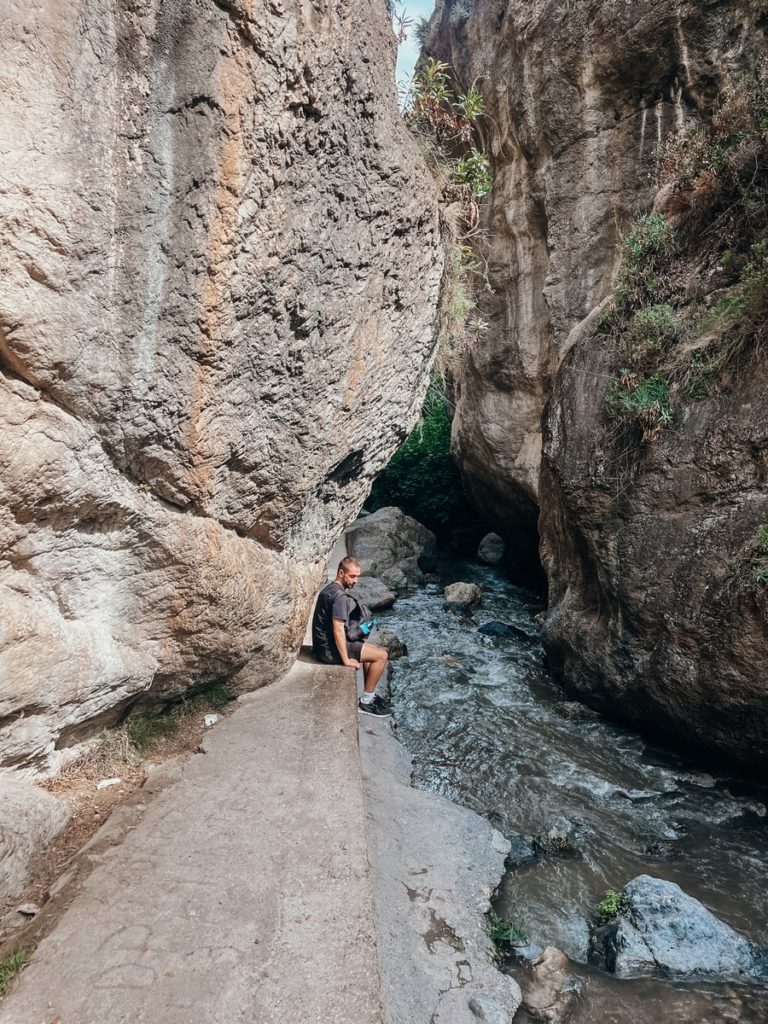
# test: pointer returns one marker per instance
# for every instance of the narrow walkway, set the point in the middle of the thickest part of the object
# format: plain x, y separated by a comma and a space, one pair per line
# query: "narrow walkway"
242, 893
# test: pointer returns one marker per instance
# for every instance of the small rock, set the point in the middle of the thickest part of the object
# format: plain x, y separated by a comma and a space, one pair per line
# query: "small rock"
460, 597
391, 643
506, 631
491, 549
550, 992
489, 1010
558, 841
574, 711
521, 850
210, 720
106, 783
28, 909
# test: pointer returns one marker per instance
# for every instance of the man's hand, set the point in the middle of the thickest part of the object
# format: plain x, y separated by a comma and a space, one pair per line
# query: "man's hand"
351, 664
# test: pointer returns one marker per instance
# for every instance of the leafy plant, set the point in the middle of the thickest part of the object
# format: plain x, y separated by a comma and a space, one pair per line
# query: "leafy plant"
614, 904
10, 967
504, 933
643, 400
474, 170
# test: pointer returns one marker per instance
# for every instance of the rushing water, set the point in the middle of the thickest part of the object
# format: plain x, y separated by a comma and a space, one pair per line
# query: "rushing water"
489, 728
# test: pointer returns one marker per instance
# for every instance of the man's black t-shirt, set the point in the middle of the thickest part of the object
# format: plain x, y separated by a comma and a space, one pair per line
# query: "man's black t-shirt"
331, 604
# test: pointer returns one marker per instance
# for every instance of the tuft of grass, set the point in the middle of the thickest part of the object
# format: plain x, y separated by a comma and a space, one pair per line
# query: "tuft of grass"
650, 330
643, 249
10, 967
758, 565
505, 933
643, 400
614, 904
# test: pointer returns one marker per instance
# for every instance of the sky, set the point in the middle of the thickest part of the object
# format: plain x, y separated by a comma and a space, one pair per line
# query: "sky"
409, 51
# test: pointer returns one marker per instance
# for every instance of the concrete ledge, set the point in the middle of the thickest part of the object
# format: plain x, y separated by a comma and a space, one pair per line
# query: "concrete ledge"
243, 893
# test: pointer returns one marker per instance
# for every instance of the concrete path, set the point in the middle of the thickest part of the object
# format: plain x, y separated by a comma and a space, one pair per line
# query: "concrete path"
240, 893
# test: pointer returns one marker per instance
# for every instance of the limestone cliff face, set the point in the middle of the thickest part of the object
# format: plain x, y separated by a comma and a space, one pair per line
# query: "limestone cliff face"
645, 616
220, 265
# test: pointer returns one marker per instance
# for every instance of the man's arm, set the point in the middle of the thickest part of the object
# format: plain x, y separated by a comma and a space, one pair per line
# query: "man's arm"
341, 644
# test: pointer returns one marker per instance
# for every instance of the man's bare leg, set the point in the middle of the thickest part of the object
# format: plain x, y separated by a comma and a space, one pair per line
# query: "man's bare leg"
374, 661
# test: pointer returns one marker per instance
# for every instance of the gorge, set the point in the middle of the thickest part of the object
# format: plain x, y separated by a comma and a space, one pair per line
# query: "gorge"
228, 267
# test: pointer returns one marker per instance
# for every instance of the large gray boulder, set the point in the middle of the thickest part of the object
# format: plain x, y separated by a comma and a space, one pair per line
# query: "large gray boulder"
30, 820
375, 593
664, 929
220, 261
392, 546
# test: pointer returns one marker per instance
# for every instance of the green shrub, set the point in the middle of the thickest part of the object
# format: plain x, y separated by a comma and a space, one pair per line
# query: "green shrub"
643, 249
754, 279
649, 331
474, 170
504, 933
643, 400
614, 904
10, 967
703, 373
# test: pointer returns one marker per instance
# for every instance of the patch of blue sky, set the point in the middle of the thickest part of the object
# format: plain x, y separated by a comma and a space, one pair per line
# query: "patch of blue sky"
408, 52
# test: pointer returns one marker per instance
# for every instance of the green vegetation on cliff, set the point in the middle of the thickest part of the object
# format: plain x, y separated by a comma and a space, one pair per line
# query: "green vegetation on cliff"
690, 309
422, 478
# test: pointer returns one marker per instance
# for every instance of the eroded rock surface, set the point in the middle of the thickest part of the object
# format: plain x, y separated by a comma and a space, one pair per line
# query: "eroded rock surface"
220, 266
645, 556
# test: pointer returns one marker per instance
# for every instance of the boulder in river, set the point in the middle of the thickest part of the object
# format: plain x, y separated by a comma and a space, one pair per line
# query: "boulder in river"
392, 546
375, 593
461, 597
550, 992
491, 549
391, 643
664, 929
558, 841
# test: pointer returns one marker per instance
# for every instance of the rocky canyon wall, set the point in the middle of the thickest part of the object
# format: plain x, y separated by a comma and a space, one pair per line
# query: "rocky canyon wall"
644, 550
220, 268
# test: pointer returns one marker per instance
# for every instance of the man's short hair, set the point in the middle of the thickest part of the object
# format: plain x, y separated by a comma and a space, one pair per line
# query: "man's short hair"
348, 563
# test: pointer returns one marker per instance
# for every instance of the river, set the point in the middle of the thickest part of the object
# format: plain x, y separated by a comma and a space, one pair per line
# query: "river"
490, 729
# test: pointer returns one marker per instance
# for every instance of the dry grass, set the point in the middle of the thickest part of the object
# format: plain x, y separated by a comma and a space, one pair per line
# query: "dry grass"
125, 752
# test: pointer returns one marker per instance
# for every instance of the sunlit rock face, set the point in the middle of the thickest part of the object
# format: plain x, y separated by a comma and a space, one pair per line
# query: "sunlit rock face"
645, 616
220, 267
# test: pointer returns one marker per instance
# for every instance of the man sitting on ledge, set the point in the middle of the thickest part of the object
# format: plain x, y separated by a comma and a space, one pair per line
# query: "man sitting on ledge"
331, 646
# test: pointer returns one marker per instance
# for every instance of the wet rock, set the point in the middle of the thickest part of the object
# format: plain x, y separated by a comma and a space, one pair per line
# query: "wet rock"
489, 1010
574, 711
521, 849
375, 593
491, 549
461, 597
392, 546
558, 841
527, 954
30, 820
506, 631
662, 849
550, 992
391, 643
664, 929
